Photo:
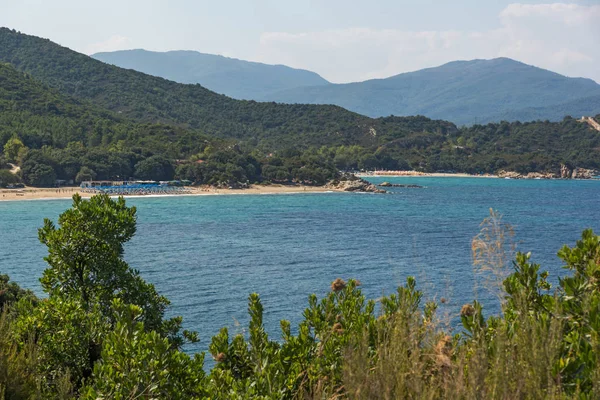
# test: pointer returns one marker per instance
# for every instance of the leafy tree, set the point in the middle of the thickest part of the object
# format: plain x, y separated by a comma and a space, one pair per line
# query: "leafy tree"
85, 258
69, 338
86, 273
18, 375
42, 175
10, 292
85, 174
155, 168
13, 148
7, 177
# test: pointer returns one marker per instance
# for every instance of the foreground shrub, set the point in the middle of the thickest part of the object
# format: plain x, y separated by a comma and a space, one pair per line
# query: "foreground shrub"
101, 333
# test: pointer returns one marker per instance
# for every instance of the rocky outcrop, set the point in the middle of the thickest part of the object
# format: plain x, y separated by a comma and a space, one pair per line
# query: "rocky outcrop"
352, 183
540, 175
576, 173
398, 185
509, 174
583, 173
563, 173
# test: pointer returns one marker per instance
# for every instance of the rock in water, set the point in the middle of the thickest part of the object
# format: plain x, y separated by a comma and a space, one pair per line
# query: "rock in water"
352, 183
398, 185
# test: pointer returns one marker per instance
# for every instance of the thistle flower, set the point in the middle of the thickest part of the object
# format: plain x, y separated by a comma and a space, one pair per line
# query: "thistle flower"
467, 310
338, 285
337, 328
443, 350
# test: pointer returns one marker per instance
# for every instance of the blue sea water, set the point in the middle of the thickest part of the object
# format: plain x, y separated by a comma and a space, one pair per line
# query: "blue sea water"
207, 253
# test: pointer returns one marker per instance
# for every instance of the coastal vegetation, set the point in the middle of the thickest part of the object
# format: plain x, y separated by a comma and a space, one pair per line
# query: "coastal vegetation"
100, 330
67, 117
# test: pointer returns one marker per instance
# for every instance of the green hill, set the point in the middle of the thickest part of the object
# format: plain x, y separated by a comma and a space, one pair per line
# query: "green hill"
232, 77
464, 92
146, 98
42, 116
77, 114
63, 136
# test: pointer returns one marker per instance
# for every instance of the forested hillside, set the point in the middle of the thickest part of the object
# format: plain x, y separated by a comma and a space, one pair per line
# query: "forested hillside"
150, 99
66, 116
42, 116
53, 136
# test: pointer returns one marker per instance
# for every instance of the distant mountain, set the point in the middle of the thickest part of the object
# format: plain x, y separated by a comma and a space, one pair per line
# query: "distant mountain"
464, 92
235, 78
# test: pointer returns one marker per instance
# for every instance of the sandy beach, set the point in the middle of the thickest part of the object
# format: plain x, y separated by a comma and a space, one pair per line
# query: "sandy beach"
30, 193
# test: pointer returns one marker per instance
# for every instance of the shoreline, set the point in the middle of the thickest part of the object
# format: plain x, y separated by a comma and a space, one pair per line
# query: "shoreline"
30, 193
417, 174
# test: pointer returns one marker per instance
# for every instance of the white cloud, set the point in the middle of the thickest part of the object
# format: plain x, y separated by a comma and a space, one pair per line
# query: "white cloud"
557, 36
570, 14
115, 42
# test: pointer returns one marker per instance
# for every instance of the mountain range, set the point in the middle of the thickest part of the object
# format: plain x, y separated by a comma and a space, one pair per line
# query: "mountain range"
239, 79
464, 92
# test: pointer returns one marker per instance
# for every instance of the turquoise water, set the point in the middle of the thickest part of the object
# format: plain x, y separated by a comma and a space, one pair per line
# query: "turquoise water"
207, 253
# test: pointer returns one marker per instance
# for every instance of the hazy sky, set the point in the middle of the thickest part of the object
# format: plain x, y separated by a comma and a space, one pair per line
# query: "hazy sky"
343, 40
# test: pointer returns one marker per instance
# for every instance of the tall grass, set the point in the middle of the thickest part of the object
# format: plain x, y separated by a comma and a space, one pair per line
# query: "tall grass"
521, 354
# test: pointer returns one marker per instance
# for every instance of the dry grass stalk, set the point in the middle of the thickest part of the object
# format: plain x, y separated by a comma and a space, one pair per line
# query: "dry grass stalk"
493, 250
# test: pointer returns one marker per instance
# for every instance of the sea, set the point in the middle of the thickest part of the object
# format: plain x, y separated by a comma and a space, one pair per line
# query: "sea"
208, 253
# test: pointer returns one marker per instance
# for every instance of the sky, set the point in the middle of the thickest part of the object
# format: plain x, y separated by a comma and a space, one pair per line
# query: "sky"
342, 40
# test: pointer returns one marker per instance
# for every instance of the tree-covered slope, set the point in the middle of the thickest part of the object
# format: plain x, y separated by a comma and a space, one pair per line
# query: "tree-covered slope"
42, 116
232, 77
54, 137
464, 92
77, 114
585, 106
146, 98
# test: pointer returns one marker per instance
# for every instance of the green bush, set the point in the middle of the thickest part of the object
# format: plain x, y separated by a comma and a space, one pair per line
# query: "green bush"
101, 333
7, 178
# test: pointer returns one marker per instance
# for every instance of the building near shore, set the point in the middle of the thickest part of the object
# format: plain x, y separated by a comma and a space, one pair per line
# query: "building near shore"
134, 187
